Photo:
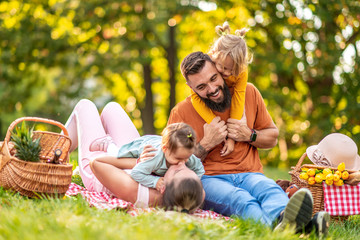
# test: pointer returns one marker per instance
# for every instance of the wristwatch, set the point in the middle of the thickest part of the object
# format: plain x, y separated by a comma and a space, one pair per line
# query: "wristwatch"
253, 135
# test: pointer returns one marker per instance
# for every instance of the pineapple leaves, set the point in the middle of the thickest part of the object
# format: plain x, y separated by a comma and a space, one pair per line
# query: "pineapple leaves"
26, 147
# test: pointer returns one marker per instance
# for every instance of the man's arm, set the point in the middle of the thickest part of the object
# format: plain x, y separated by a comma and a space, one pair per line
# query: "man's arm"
240, 132
214, 134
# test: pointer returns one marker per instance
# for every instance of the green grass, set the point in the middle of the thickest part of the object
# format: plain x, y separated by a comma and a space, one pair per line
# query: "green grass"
72, 218
276, 174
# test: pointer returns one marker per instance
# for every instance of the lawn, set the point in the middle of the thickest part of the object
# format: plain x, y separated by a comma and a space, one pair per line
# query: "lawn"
72, 218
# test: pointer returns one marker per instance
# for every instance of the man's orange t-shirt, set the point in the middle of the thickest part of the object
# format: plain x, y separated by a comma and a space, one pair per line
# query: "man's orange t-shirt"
245, 157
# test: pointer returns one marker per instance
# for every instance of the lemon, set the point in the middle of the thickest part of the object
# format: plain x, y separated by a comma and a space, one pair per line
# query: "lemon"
341, 167
329, 182
304, 176
345, 175
327, 171
304, 169
339, 183
319, 177
311, 172
330, 176
311, 181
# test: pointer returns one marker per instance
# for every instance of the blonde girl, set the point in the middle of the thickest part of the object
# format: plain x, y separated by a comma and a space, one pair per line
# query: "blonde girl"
231, 57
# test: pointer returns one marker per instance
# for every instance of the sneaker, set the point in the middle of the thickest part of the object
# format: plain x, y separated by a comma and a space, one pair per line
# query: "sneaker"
298, 211
320, 223
100, 144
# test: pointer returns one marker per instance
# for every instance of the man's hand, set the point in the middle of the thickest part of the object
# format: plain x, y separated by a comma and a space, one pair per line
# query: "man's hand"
240, 132
214, 133
238, 129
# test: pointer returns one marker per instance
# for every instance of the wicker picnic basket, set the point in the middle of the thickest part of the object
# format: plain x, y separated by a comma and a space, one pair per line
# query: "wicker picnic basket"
37, 179
316, 189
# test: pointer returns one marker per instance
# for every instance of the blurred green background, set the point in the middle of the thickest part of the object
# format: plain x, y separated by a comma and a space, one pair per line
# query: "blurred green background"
306, 61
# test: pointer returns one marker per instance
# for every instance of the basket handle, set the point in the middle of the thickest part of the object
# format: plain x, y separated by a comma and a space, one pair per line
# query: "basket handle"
298, 165
33, 119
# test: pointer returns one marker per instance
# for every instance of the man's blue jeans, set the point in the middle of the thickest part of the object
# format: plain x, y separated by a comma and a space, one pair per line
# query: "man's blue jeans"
247, 195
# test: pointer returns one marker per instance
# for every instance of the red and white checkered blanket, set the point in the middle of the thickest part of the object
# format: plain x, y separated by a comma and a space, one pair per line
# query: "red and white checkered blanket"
103, 200
343, 200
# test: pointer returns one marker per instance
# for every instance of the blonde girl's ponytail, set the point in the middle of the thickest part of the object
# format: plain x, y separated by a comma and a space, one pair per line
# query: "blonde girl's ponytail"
223, 30
241, 32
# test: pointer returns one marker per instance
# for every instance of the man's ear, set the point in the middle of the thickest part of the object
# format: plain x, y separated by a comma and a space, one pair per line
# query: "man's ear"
187, 83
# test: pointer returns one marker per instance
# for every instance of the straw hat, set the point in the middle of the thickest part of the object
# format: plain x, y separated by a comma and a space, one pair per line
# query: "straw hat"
334, 149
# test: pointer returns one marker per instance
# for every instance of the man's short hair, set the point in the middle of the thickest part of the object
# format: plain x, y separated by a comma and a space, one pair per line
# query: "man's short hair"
193, 63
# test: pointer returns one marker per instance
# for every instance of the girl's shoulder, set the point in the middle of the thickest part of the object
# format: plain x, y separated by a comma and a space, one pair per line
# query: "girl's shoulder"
149, 136
153, 140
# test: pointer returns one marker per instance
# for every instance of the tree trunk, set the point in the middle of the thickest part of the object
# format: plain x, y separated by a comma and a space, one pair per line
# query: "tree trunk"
147, 113
171, 57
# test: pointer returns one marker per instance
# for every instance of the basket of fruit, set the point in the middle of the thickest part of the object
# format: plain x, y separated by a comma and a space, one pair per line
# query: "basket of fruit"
35, 163
312, 177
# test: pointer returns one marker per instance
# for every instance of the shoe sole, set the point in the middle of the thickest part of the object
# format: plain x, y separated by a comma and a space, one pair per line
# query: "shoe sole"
323, 223
298, 211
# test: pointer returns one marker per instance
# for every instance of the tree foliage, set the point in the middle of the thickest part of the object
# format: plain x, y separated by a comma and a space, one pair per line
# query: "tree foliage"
305, 60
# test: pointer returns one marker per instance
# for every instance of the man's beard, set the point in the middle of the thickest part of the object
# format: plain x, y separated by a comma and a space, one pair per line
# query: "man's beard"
222, 106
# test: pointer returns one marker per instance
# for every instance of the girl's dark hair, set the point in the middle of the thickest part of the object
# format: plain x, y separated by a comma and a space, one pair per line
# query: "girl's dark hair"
177, 135
184, 196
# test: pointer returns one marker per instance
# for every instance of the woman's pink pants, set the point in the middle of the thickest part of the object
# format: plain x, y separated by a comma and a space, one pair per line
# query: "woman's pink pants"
85, 125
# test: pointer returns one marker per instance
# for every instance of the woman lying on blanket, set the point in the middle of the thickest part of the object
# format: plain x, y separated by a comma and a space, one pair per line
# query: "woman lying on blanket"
155, 155
97, 139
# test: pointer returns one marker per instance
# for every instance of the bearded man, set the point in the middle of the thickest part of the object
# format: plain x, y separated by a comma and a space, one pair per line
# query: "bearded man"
235, 184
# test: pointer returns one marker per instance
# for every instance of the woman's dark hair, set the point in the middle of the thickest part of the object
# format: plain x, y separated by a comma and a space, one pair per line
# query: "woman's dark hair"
177, 135
184, 196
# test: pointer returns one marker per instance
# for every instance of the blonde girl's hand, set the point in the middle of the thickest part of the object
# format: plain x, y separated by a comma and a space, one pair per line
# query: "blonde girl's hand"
228, 147
147, 153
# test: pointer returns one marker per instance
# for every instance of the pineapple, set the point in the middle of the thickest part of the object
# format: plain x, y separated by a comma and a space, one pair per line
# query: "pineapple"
26, 148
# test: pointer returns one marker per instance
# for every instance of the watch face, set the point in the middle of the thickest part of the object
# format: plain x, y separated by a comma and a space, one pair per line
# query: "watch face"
253, 135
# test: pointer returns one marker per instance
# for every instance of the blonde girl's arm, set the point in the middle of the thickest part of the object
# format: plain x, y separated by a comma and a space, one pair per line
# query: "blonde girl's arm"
201, 108
238, 98
237, 107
